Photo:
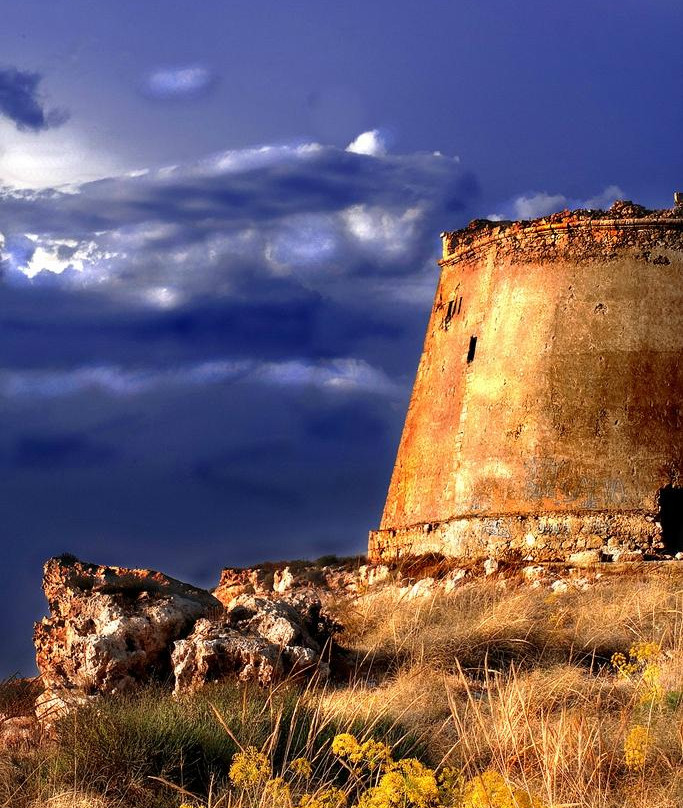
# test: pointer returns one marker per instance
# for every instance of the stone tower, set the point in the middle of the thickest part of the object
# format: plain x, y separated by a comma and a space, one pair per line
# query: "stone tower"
547, 412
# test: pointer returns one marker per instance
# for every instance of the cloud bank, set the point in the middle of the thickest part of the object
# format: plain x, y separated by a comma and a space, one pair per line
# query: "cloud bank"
209, 363
302, 216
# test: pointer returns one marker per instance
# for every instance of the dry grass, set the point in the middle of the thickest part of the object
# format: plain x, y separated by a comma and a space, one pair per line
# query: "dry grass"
484, 624
496, 675
519, 679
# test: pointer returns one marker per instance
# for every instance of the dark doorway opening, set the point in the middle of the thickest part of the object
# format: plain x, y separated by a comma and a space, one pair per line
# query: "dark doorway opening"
472, 349
671, 518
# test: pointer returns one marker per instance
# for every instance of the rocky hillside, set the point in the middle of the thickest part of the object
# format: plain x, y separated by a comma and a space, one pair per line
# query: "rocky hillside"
542, 671
111, 629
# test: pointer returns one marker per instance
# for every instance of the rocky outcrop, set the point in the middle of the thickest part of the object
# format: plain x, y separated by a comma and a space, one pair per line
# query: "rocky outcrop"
326, 581
259, 639
234, 582
110, 628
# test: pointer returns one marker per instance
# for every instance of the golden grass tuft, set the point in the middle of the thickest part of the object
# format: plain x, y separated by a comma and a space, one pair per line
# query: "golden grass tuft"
73, 799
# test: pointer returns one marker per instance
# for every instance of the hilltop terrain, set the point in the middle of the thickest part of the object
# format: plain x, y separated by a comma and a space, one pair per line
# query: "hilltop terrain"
505, 685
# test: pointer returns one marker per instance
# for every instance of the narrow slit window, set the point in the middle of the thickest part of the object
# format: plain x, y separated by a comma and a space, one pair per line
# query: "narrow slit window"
450, 311
472, 349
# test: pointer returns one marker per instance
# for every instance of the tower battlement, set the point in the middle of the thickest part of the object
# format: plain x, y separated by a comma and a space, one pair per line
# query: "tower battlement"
547, 412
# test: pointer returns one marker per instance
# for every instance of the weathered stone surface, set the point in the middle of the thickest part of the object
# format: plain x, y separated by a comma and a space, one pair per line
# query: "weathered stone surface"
110, 627
234, 582
630, 556
258, 639
276, 620
453, 579
585, 557
329, 580
283, 581
215, 651
545, 417
57, 702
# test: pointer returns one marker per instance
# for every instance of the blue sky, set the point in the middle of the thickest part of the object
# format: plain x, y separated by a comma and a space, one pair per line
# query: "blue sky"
219, 225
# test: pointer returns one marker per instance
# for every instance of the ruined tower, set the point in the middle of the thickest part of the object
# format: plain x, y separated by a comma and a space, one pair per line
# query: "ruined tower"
547, 412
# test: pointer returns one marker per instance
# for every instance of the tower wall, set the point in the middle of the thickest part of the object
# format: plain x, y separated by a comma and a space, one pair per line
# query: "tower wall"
546, 415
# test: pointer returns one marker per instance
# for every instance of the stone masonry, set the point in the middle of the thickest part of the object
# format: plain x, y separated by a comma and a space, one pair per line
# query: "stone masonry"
546, 415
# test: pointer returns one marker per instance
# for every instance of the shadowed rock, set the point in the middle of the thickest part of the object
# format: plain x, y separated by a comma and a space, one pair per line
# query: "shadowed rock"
259, 639
110, 628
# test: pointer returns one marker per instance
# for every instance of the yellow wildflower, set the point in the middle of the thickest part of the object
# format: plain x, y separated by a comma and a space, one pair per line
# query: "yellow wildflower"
276, 792
642, 667
451, 785
371, 753
644, 652
408, 784
651, 679
345, 745
618, 662
301, 767
375, 754
249, 768
635, 747
491, 790
324, 798
640, 656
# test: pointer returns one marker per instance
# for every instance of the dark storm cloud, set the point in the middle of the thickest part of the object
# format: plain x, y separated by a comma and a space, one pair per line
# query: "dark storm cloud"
48, 452
21, 103
260, 188
209, 364
268, 253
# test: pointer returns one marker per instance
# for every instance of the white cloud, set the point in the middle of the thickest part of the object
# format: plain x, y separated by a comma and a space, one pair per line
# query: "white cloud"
325, 220
535, 205
336, 374
371, 143
50, 158
176, 82
302, 241
540, 204
163, 297
383, 231
342, 375
236, 160
58, 255
605, 199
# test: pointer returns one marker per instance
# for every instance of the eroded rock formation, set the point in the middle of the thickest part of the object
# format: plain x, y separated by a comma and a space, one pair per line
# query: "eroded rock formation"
112, 628
328, 580
258, 639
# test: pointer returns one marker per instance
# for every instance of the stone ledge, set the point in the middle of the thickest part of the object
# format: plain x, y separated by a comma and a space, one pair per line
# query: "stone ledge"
549, 536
